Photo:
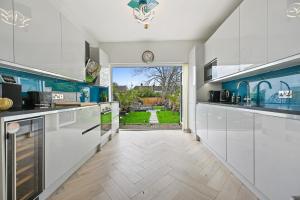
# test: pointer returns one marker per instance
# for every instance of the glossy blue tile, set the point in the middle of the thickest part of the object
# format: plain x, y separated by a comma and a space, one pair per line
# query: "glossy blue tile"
291, 76
33, 82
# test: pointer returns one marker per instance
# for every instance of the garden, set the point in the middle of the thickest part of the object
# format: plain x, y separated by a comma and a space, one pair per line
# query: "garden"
150, 105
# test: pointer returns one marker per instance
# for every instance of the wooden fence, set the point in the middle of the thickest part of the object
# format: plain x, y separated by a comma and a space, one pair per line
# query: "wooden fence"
152, 101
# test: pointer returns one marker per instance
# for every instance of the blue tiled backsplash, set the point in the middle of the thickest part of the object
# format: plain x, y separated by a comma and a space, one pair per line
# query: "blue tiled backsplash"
270, 96
33, 82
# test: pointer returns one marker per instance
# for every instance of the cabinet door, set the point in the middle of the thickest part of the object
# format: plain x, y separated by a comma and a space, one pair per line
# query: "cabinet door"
201, 122
240, 144
73, 51
62, 145
38, 43
277, 163
283, 30
253, 33
217, 130
88, 122
227, 50
6, 33
210, 49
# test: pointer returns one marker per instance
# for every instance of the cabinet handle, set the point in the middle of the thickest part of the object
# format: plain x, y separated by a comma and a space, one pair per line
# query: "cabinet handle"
90, 129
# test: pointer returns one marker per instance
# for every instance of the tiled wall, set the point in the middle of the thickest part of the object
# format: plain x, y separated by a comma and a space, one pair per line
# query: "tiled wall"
270, 96
32, 82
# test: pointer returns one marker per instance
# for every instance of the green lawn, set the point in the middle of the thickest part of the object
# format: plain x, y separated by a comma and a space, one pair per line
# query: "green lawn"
158, 107
106, 118
168, 117
136, 118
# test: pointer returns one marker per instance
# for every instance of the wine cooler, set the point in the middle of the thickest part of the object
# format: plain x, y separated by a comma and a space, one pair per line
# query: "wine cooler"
25, 158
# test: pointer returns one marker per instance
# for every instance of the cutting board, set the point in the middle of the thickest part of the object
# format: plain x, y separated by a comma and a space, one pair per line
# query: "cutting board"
79, 104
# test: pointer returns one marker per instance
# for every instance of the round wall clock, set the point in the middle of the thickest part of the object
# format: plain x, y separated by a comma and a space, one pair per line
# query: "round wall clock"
148, 57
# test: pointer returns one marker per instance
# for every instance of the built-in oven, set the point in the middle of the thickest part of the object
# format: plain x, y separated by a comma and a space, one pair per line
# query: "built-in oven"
25, 158
209, 70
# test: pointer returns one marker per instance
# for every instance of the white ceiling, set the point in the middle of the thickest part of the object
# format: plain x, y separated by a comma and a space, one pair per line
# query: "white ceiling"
112, 20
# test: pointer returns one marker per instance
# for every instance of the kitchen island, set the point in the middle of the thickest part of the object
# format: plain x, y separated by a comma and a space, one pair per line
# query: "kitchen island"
260, 145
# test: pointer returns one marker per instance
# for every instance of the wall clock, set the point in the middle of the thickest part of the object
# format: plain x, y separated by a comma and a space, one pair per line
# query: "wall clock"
148, 57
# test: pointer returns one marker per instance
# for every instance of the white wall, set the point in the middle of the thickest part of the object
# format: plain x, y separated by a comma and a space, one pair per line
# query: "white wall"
196, 61
130, 53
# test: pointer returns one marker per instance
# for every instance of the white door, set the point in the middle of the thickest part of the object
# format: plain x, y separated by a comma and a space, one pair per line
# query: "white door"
283, 28
38, 44
240, 144
253, 33
277, 153
201, 122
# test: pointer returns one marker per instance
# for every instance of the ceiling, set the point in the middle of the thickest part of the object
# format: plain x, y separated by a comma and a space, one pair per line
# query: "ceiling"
112, 20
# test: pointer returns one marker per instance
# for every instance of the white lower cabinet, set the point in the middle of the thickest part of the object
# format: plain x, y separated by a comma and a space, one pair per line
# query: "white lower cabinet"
277, 161
69, 137
217, 130
201, 122
240, 142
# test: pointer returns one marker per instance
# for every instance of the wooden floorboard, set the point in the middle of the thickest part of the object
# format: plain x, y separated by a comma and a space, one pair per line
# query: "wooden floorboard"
153, 165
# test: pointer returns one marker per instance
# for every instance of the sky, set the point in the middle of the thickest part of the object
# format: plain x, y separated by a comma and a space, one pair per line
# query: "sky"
125, 76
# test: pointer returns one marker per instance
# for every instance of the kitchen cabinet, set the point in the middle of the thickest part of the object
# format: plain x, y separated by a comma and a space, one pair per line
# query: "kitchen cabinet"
277, 163
37, 38
201, 122
284, 31
73, 51
224, 45
210, 47
240, 142
6, 33
216, 125
70, 136
115, 117
253, 33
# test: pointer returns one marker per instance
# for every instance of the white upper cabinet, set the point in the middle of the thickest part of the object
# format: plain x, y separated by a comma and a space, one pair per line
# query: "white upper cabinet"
37, 37
240, 145
6, 33
224, 45
227, 37
217, 130
210, 49
284, 31
253, 33
277, 163
73, 51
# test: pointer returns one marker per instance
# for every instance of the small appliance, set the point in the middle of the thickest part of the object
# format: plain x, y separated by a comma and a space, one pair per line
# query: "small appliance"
214, 96
209, 70
225, 96
10, 89
39, 99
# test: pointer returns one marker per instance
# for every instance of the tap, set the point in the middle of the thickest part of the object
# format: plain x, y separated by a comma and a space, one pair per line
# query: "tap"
248, 99
258, 90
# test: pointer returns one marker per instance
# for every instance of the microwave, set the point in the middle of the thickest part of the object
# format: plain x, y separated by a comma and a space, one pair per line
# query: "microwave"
209, 70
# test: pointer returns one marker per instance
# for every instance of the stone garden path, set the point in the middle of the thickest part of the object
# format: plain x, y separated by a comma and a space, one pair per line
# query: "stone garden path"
153, 117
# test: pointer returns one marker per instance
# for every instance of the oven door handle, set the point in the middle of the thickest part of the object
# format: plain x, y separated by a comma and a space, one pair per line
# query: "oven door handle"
90, 129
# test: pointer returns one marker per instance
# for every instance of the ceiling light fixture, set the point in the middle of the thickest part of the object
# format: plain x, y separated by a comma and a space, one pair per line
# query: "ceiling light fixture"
293, 9
14, 18
143, 10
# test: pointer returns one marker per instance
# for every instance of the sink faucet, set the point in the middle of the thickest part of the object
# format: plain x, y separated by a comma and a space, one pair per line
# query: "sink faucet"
258, 90
248, 99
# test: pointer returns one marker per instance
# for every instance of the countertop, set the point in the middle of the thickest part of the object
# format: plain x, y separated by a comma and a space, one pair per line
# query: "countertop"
274, 108
9, 115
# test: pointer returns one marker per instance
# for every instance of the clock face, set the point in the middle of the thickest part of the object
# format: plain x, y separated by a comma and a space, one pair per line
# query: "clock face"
148, 57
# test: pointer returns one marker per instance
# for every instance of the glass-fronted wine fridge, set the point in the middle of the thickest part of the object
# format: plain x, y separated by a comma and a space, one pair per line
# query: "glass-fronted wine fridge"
25, 158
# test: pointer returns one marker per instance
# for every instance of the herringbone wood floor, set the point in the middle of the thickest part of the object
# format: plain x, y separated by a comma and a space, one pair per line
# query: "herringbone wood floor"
160, 165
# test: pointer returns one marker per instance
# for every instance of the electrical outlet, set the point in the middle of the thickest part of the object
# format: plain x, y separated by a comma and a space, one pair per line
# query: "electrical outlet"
57, 96
285, 94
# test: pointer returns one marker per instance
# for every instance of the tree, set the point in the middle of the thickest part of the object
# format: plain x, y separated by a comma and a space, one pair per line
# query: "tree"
169, 78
